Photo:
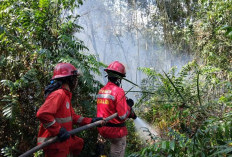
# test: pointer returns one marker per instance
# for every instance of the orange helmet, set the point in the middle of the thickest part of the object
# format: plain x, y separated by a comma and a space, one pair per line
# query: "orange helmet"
64, 70
116, 67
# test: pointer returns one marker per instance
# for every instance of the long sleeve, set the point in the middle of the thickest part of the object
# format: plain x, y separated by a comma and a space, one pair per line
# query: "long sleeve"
122, 108
78, 119
47, 112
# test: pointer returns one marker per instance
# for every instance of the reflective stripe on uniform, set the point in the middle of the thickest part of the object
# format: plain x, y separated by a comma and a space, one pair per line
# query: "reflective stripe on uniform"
124, 116
47, 125
42, 139
108, 96
64, 120
80, 119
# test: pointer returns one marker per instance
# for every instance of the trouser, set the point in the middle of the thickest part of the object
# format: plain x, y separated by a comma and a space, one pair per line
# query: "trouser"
117, 146
76, 145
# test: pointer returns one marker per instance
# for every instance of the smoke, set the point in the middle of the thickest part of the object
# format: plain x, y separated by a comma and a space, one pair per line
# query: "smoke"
124, 30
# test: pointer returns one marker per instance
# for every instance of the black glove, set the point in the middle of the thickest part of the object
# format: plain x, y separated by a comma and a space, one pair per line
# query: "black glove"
63, 135
132, 114
130, 102
96, 119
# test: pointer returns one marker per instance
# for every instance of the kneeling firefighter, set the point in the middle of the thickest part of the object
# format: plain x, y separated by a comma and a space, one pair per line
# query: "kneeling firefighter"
111, 99
57, 115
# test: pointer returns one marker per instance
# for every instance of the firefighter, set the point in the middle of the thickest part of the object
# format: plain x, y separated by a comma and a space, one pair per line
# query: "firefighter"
57, 115
111, 99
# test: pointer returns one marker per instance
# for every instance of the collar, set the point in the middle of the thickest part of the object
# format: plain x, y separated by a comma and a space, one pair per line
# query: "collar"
111, 84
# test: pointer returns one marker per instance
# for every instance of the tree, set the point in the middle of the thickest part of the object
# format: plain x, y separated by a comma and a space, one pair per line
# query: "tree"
193, 107
35, 36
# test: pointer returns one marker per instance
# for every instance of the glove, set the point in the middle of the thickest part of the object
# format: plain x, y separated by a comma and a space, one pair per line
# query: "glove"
129, 102
96, 119
63, 135
132, 114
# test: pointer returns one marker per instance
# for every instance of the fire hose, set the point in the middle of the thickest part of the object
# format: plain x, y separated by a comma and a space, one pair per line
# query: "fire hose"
72, 132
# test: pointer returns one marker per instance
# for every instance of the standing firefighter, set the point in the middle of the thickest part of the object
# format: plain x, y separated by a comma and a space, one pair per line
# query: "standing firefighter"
57, 115
111, 99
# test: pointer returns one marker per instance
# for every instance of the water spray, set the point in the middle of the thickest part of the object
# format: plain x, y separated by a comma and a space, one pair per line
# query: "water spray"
146, 133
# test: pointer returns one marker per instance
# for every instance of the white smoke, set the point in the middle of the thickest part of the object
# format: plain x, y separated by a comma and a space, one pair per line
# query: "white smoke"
117, 30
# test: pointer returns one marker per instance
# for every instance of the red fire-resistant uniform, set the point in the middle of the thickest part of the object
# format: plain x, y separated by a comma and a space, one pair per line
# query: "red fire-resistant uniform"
111, 99
57, 112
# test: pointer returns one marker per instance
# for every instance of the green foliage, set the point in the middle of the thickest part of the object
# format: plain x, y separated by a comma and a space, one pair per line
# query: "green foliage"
9, 151
34, 37
134, 143
228, 30
212, 139
201, 28
214, 30
190, 110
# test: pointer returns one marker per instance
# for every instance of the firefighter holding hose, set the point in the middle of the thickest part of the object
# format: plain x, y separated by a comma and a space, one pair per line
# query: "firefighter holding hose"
111, 99
57, 115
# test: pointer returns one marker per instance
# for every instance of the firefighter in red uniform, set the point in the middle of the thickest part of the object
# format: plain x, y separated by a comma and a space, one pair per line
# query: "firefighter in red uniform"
111, 99
57, 115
